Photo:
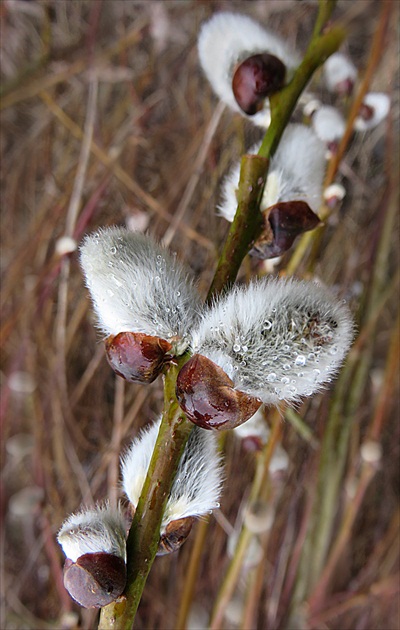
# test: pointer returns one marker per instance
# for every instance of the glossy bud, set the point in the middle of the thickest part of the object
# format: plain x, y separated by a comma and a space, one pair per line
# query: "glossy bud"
283, 222
256, 78
207, 396
95, 579
137, 357
175, 535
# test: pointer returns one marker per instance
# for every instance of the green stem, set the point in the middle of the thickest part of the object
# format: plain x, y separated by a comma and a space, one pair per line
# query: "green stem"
144, 534
247, 223
284, 102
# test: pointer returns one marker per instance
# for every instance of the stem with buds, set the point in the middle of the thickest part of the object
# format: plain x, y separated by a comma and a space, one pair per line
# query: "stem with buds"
144, 534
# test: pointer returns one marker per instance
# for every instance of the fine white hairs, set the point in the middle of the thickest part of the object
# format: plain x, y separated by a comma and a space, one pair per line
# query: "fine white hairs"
228, 38
138, 286
276, 339
93, 530
296, 172
198, 481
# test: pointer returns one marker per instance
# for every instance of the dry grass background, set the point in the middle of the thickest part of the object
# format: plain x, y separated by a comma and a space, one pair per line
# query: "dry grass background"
155, 161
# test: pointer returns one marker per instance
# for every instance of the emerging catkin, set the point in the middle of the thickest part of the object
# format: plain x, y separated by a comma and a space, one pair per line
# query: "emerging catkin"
198, 481
296, 173
278, 340
228, 38
138, 286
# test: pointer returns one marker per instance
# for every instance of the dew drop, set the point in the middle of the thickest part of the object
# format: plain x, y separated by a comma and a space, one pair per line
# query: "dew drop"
267, 325
285, 380
300, 360
178, 294
236, 347
286, 348
271, 378
311, 356
113, 250
286, 366
333, 350
244, 348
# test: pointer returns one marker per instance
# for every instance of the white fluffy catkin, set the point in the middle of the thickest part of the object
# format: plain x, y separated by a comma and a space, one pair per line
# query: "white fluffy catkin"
329, 124
138, 286
296, 173
276, 339
339, 69
92, 530
228, 38
198, 481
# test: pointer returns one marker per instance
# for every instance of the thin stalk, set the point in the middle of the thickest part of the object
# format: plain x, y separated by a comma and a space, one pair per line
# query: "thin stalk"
191, 574
233, 572
367, 473
334, 163
301, 427
347, 399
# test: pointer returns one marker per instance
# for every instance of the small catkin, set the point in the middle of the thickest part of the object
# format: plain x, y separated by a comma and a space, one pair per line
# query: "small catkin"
296, 173
227, 38
278, 340
138, 286
198, 481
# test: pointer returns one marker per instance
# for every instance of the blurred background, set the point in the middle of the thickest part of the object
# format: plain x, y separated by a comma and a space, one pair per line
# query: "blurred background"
107, 119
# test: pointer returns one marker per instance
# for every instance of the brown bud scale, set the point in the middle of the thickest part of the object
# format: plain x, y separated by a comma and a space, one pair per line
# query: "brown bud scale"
95, 579
175, 535
207, 396
256, 78
283, 222
137, 357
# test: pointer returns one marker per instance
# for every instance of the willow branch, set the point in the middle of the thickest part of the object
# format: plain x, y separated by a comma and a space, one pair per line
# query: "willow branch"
246, 226
144, 534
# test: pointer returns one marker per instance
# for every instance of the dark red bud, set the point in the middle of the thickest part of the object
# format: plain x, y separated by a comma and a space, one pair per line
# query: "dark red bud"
366, 112
137, 357
175, 535
256, 78
252, 443
95, 579
207, 396
345, 87
283, 222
